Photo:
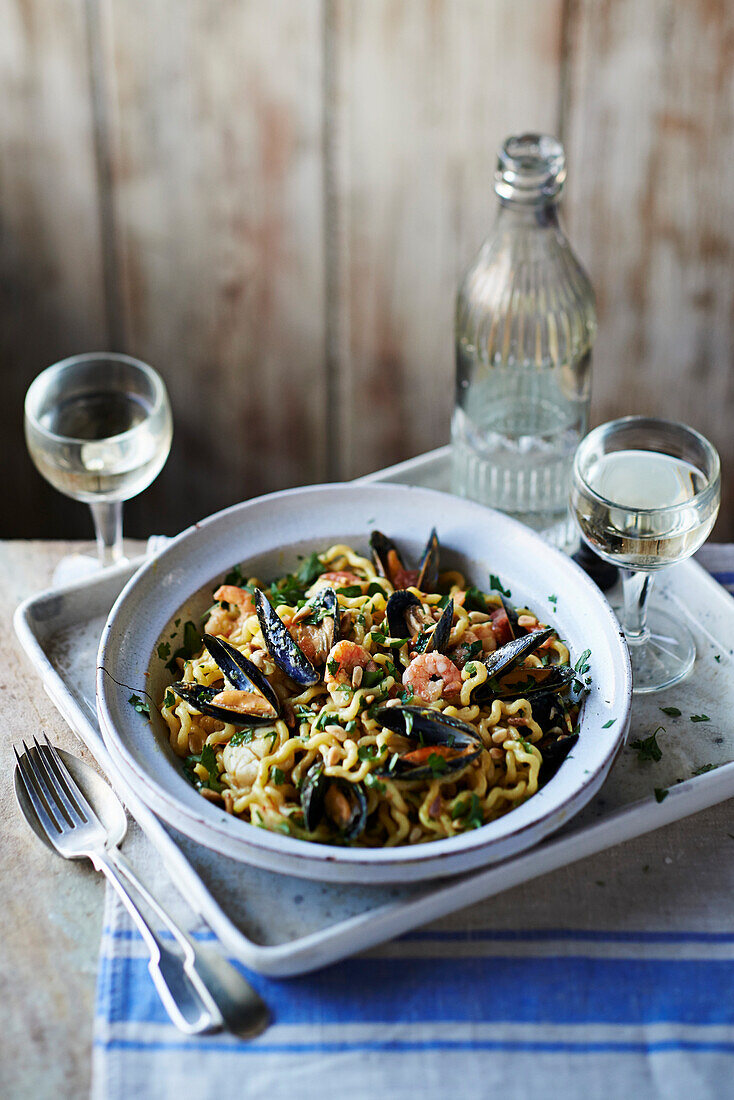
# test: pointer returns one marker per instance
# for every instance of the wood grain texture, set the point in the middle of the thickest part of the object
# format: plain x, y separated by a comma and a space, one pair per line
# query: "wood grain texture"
425, 93
51, 299
649, 131
216, 139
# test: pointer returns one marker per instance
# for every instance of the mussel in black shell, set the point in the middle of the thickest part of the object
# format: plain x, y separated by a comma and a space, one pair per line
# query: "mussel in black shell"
389, 563
286, 653
316, 626
407, 618
431, 745
250, 701
341, 803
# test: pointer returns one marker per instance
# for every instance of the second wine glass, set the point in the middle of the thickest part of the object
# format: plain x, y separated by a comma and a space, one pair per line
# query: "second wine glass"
645, 494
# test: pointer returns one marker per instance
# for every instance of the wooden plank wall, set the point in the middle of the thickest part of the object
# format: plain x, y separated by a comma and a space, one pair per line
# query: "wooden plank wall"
272, 202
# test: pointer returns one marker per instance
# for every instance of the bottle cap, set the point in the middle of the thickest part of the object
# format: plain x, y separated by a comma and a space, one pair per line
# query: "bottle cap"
530, 167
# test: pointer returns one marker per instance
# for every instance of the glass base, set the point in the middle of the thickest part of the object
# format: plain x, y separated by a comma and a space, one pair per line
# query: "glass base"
664, 657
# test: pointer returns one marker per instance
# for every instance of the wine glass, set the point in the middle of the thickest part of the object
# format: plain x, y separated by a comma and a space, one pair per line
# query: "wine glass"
645, 494
98, 427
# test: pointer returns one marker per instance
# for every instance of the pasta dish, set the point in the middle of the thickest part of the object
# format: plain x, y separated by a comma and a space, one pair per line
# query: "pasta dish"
359, 701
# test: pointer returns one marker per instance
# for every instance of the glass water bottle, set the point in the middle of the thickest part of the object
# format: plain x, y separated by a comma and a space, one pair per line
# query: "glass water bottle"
525, 326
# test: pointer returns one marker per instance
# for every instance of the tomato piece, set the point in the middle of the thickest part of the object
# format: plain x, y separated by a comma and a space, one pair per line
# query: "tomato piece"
501, 627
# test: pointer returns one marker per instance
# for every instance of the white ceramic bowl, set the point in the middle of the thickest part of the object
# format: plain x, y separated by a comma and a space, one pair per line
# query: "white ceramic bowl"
267, 534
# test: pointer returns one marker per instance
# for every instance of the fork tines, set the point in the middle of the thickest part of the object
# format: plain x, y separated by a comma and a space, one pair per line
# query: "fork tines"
52, 791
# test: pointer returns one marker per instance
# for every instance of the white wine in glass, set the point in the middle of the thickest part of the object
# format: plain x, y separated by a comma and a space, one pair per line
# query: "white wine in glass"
99, 429
645, 495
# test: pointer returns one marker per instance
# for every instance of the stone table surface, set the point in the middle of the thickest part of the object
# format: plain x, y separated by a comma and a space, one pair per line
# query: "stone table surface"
52, 910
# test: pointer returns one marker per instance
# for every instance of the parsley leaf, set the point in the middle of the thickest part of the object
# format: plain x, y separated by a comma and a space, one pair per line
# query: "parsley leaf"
700, 718
474, 599
660, 794
649, 748
609, 723
717, 657
438, 764
350, 591
496, 586
277, 776
242, 737
705, 768
672, 712
375, 589
554, 601
208, 759
371, 677
139, 705
169, 699
368, 752
164, 650
235, 576
190, 647
470, 812
374, 783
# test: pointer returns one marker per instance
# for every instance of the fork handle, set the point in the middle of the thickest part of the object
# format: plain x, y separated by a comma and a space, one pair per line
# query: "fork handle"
186, 1007
219, 984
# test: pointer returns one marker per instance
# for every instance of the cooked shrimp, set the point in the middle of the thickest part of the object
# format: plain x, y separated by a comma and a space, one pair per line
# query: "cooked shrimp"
224, 620
432, 675
342, 661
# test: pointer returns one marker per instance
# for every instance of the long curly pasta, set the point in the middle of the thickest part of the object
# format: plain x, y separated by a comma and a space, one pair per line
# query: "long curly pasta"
258, 773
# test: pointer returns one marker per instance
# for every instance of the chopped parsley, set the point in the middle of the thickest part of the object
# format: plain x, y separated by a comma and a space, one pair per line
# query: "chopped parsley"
333, 667
554, 601
242, 737
700, 718
705, 768
371, 677
139, 705
474, 599
471, 670
208, 759
375, 589
470, 813
661, 793
717, 657
351, 726
368, 752
407, 694
437, 764
189, 648
350, 591
164, 650
496, 586
303, 712
374, 783
609, 723
169, 699
672, 712
235, 576
649, 748
277, 776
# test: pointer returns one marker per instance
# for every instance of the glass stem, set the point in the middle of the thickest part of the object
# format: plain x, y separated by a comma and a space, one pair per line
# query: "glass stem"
636, 587
107, 516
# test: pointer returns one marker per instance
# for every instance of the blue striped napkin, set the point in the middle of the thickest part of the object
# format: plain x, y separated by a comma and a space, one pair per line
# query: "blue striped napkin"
613, 977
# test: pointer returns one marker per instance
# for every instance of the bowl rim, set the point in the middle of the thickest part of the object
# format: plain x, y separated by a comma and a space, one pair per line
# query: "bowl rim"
218, 825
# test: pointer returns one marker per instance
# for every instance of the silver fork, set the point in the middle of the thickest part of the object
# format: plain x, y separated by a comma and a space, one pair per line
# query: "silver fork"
184, 982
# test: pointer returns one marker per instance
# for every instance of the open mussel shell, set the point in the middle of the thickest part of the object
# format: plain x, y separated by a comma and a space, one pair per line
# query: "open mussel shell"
386, 557
342, 803
280, 645
241, 672
524, 683
507, 656
554, 750
243, 675
550, 712
428, 567
516, 630
436, 638
407, 618
322, 614
201, 698
432, 734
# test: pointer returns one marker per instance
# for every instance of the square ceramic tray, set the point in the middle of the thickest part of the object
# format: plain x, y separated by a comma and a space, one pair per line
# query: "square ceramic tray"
283, 926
